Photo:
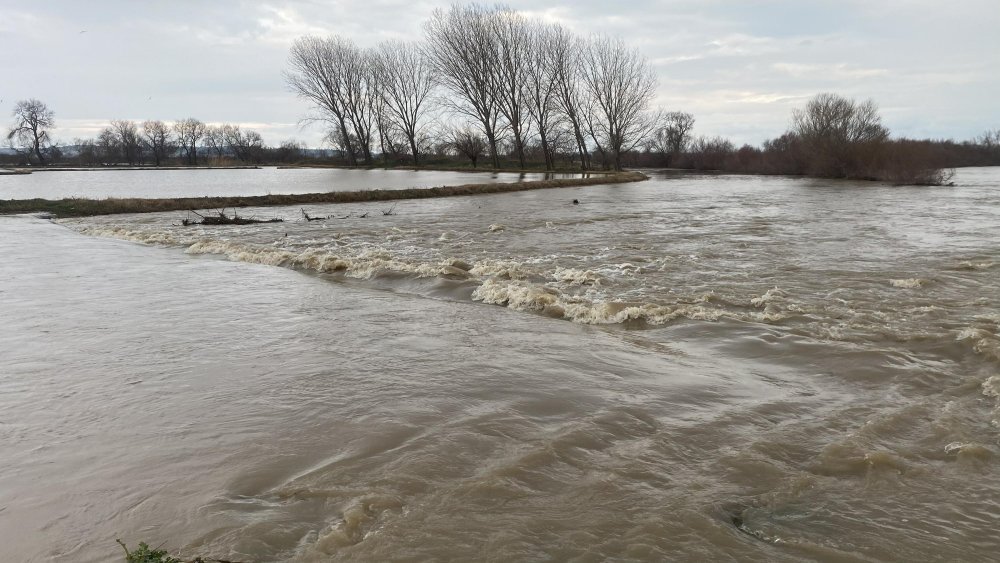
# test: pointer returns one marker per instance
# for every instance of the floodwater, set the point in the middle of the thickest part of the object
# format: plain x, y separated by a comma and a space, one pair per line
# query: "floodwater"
692, 368
99, 184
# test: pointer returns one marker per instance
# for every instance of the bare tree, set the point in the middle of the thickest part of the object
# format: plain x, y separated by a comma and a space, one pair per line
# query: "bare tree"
232, 139
460, 44
672, 135
189, 132
246, 146
513, 51
128, 140
469, 144
989, 139
32, 122
405, 81
711, 153
253, 147
158, 139
621, 84
215, 140
842, 136
591, 117
542, 85
321, 72
108, 146
87, 151
289, 150
566, 49
364, 99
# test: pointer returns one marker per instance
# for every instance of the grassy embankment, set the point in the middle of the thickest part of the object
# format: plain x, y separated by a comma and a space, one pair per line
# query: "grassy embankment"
80, 207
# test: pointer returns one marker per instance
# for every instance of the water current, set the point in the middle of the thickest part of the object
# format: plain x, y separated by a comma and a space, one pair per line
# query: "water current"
692, 368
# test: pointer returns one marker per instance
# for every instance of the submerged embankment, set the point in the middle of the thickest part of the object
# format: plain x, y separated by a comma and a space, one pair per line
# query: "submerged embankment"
248, 188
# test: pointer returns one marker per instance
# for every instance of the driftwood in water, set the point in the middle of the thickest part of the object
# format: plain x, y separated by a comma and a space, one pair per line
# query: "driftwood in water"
222, 219
308, 218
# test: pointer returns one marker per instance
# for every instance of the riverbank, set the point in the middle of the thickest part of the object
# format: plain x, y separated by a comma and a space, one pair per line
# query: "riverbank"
81, 207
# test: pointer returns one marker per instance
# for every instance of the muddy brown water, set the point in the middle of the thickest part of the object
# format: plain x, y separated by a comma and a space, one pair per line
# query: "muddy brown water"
706, 368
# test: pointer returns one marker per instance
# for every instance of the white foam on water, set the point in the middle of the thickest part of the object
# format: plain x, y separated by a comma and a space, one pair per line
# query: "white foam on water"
575, 276
523, 296
364, 265
983, 342
134, 235
769, 296
510, 269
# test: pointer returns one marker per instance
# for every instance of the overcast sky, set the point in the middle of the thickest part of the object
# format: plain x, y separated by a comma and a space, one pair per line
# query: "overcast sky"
739, 66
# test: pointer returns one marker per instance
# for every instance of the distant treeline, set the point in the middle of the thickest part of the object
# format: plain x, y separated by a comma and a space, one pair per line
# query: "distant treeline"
832, 137
900, 161
854, 145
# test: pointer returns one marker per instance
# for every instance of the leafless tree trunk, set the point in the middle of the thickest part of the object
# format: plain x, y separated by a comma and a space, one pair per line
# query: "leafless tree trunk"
318, 75
360, 96
215, 140
129, 142
842, 136
672, 135
406, 80
157, 136
189, 131
513, 45
253, 147
542, 86
565, 51
245, 146
461, 48
32, 122
469, 144
107, 142
621, 84
232, 139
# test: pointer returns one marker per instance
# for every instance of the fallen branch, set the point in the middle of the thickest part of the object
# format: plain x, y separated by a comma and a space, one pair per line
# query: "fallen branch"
222, 219
308, 218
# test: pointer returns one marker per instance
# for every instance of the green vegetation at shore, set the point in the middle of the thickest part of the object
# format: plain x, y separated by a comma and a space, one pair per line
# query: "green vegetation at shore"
80, 207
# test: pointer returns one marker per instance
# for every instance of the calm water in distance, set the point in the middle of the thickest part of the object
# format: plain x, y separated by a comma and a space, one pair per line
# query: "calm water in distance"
99, 184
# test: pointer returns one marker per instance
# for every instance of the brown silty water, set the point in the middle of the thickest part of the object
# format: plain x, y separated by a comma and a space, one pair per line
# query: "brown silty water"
690, 368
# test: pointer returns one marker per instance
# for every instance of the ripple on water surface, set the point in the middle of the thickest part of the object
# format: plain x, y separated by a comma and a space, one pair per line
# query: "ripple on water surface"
760, 368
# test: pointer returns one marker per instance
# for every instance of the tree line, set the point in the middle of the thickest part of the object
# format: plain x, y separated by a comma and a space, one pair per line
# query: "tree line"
152, 142
486, 81
831, 137
155, 142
